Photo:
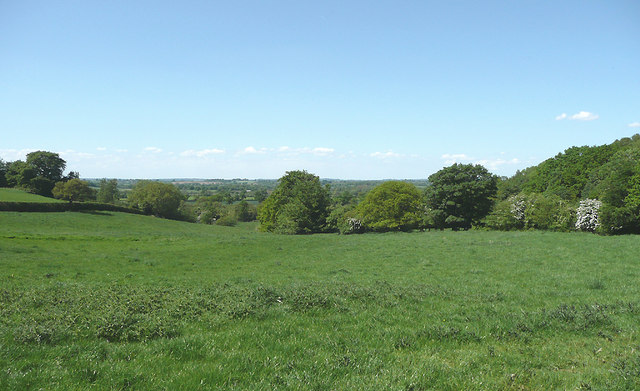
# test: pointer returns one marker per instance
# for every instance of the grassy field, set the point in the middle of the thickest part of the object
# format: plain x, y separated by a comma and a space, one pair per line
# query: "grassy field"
15, 195
115, 301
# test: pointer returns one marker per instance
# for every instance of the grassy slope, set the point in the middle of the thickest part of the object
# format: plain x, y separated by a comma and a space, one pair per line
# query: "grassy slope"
118, 301
15, 195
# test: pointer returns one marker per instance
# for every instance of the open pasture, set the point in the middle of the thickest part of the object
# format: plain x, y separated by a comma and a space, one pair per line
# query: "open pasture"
16, 195
116, 301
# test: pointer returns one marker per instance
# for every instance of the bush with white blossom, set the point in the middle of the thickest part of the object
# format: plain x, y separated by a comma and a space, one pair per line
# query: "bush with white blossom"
587, 215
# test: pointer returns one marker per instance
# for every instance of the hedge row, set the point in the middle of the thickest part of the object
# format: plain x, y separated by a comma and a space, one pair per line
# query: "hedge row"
62, 207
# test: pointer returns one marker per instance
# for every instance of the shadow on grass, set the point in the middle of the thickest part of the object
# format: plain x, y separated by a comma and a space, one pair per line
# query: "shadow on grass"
96, 212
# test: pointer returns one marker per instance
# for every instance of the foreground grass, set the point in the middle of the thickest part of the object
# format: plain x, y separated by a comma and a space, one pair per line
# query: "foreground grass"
115, 301
15, 195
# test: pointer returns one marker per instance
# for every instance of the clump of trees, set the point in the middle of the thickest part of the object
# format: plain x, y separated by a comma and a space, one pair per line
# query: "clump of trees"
38, 174
460, 196
298, 205
391, 206
609, 174
73, 190
157, 198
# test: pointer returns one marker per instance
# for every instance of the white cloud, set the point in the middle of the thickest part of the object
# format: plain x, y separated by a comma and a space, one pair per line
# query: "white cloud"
153, 149
252, 151
581, 116
385, 155
634, 125
101, 149
492, 164
122, 150
9, 155
450, 158
585, 116
202, 153
321, 151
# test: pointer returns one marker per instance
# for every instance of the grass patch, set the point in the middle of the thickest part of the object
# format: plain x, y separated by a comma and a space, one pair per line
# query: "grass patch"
15, 195
134, 302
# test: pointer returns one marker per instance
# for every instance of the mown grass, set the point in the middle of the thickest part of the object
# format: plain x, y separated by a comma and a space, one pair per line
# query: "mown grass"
15, 195
117, 301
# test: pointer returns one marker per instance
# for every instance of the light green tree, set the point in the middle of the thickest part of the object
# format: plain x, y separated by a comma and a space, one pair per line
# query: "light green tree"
391, 206
73, 190
157, 198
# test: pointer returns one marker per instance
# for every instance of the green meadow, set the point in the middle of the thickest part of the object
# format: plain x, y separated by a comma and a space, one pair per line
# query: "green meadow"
15, 195
112, 301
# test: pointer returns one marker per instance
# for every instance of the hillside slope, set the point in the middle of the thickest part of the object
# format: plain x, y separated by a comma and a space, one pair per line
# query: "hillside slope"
120, 301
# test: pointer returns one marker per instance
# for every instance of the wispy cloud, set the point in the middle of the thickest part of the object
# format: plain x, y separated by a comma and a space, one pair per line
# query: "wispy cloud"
581, 116
634, 125
585, 116
318, 151
490, 164
450, 158
250, 150
385, 155
153, 149
202, 152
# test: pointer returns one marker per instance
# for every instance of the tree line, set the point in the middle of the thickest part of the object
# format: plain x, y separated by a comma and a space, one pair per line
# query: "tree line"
583, 188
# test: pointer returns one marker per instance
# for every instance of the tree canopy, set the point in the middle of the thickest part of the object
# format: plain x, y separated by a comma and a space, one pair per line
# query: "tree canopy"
298, 205
160, 199
391, 206
460, 195
38, 174
108, 192
73, 190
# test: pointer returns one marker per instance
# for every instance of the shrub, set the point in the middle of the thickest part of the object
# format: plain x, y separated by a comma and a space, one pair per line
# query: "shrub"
587, 215
391, 206
227, 220
531, 211
617, 221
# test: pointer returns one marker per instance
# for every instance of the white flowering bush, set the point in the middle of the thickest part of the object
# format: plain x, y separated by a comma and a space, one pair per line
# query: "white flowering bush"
587, 215
518, 206
355, 225
532, 211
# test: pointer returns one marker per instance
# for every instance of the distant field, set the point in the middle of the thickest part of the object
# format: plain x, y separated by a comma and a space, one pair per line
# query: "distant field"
115, 301
15, 195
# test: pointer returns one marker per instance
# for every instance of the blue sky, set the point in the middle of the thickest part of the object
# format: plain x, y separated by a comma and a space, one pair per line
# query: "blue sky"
343, 89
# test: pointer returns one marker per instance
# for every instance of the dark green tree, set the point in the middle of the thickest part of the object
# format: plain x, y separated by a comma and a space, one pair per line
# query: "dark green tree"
391, 206
3, 173
73, 190
298, 205
463, 193
19, 174
157, 198
260, 195
108, 192
48, 165
245, 211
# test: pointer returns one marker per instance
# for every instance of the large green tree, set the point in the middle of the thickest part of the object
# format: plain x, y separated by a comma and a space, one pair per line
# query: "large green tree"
108, 192
298, 205
391, 206
38, 174
73, 190
461, 195
157, 198
47, 165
